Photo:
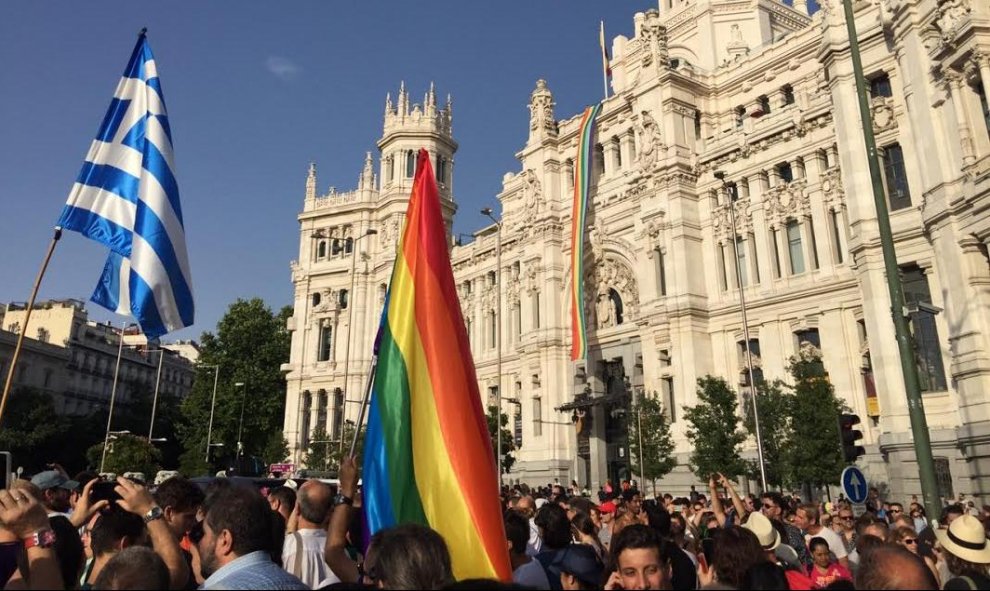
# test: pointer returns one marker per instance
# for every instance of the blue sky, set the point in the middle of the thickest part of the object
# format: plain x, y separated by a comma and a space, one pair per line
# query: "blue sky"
255, 91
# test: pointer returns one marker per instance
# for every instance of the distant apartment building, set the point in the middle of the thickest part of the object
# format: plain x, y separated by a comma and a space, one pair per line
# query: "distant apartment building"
74, 358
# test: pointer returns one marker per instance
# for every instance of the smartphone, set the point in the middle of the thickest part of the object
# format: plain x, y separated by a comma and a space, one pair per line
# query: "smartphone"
702, 562
9, 552
104, 491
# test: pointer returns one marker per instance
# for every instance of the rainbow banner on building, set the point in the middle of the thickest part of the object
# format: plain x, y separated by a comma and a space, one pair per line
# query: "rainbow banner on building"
427, 454
579, 213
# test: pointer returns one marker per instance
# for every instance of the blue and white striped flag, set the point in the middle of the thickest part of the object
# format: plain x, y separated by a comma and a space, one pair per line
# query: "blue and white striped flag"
126, 197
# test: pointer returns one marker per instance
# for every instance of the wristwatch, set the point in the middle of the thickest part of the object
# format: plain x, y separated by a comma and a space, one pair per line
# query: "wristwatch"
342, 500
153, 514
43, 538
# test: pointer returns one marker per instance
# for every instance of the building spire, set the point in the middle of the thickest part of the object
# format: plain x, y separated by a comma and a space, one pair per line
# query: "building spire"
403, 100
367, 180
311, 182
388, 103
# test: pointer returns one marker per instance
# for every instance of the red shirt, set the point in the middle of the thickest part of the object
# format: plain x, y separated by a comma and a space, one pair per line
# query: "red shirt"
820, 580
797, 581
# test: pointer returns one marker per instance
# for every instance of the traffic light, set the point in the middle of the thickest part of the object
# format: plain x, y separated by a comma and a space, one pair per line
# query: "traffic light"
851, 450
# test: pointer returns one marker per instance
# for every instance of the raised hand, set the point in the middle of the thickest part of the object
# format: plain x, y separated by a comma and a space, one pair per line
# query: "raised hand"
85, 507
134, 498
21, 513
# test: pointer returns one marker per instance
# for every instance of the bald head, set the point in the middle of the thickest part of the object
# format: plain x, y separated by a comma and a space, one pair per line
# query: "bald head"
314, 500
526, 505
890, 566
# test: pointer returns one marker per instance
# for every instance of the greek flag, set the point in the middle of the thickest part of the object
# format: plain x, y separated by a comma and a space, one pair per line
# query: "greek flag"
126, 197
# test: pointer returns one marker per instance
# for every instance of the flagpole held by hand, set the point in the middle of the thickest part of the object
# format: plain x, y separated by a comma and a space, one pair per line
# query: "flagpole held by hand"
27, 318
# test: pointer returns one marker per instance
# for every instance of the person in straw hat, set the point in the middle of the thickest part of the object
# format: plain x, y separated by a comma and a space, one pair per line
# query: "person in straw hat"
963, 546
777, 553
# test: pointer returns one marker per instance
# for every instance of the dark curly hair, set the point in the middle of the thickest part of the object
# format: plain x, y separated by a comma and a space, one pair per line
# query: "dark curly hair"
736, 549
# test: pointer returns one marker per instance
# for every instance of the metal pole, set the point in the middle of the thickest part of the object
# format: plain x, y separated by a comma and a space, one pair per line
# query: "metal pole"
113, 396
364, 402
240, 424
350, 330
498, 339
916, 406
27, 317
749, 353
213, 405
158, 381
639, 431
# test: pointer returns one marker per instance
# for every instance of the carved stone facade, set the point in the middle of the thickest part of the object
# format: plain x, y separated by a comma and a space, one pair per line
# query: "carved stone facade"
774, 109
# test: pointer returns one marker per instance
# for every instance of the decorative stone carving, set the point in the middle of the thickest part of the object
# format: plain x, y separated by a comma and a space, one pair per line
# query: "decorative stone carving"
951, 14
650, 141
883, 114
786, 201
654, 38
722, 221
532, 192
329, 299
389, 233
598, 239
652, 235
737, 46
606, 275
833, 195
541, 117
532, 282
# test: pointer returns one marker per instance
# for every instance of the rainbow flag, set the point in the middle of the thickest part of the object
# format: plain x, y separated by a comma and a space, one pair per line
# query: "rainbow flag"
427, 454
582, 178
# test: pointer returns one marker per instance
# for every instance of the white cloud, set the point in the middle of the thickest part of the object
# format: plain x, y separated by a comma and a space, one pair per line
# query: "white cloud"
282, 67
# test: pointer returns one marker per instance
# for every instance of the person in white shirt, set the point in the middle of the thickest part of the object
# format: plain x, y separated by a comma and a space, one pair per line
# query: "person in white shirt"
807, 520
302, 552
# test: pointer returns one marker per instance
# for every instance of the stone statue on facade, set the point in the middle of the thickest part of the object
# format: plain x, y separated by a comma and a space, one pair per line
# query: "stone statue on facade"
532, 192
605, 311
650, 142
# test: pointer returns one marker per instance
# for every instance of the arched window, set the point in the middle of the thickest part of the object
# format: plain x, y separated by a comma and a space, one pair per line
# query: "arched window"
344, 297
348, 245
307, 404
335, 247
617, 302
317, 298
321, 250
410, 163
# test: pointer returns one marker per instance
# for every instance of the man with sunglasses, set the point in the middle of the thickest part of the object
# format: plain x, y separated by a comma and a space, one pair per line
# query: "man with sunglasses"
773, 508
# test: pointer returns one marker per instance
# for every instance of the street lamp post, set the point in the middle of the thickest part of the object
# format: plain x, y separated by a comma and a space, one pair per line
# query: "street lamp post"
729, 193
213, 405
240, 423
113, 395
487, 212
350, 330
158, 381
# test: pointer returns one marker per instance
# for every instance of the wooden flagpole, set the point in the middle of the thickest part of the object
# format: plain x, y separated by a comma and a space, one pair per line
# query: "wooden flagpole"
27, 318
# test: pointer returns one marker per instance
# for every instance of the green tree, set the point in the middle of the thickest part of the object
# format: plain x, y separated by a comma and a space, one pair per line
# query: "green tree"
658, 446
276, 450
713, 430
508, 442
249, 346
775, 401
321, 448
813, 454
127, 453
32, 431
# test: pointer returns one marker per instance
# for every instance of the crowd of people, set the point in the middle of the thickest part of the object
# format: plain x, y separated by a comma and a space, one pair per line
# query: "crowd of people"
89, 533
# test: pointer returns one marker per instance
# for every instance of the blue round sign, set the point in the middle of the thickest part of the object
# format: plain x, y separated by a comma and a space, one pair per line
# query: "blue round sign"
854, 484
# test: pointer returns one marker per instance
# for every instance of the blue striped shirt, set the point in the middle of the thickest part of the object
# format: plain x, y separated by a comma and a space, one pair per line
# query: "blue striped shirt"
252, 571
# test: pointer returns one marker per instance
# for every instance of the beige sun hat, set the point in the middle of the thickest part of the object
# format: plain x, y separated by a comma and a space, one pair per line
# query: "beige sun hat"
966, 539
761, 526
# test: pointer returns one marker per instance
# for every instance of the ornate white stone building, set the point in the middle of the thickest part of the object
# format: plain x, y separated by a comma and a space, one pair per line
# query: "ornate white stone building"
764, 93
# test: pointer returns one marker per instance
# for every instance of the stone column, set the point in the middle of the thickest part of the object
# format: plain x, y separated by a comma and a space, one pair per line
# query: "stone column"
962, 121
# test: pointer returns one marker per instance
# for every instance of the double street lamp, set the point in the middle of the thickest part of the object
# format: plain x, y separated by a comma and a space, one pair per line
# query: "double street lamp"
350, 330
213, 406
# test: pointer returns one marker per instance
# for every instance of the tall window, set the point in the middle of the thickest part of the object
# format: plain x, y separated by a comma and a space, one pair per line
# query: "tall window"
895, 177
326, 341
743, 277
344, 299
307, 405
788, 92
317, 298
617, 150
321, 410
785, 172
410, 163
537, 416
517, 418
338, 412
348, 245
775, 252
808, 335
794, 251
764, 103
754, 350
387, 165
516, 321
441, 169
928, 353
321, 250
492, 328
536, 309
599, 159
661, 271
616, 300
880, 86
697, 125
723, 274
740, 116
983, 104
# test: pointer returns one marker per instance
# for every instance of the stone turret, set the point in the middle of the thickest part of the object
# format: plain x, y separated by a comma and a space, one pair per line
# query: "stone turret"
311, 182
542, 123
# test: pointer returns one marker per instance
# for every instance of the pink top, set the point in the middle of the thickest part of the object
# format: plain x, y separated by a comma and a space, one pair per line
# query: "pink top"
820, 580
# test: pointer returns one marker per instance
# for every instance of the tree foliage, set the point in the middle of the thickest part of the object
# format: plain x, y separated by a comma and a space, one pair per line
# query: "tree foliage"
813, 454
127, 453
32, 431
713, 430
774, 400
318, 455
649, 422
508, 441
249, 346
